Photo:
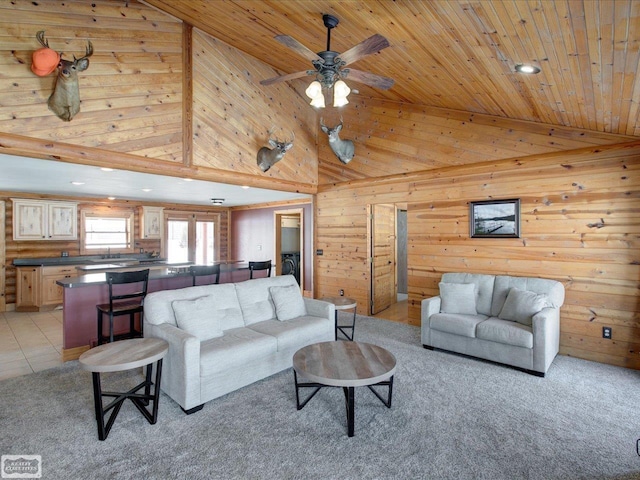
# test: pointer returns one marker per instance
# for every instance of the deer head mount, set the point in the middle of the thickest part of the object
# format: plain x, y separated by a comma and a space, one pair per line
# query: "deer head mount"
267, 157
344, 149
65, 99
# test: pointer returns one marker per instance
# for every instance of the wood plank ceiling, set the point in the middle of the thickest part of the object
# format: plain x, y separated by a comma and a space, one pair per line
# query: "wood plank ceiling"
459, 54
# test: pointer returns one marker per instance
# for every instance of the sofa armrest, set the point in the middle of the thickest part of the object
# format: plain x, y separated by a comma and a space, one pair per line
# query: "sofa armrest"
546, 337
320, 308
181, 366
428, 307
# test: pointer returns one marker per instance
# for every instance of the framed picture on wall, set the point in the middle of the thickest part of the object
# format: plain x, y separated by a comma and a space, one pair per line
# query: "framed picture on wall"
495, 219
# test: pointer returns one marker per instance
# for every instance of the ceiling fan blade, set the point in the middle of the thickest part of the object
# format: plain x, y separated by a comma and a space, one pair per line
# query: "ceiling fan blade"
371, 79
373, 44
295, 45
283, 78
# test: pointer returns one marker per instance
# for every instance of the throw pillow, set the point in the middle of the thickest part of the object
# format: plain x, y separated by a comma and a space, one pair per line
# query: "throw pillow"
198, 317
458, 298
288, 302
521, 305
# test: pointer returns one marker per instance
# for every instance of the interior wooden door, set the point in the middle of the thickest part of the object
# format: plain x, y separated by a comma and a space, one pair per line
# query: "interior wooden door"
383, 263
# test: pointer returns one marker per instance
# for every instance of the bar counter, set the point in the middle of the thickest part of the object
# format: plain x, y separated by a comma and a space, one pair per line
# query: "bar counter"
83, 293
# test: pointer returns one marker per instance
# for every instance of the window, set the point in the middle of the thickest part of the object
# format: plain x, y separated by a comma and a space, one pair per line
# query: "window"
192, 237
107, 231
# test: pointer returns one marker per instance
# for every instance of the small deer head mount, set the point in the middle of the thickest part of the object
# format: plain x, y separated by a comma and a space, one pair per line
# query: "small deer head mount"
267, 157
344, 149
65, 99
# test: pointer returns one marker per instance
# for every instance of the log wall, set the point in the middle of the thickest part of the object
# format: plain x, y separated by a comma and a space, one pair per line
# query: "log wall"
580, 224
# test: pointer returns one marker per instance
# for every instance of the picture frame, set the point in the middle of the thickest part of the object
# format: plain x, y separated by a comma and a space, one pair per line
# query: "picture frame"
495, 218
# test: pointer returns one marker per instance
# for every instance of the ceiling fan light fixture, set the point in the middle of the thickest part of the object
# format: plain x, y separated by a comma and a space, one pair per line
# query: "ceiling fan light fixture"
217, 201
340, 92
531, 69
314, 92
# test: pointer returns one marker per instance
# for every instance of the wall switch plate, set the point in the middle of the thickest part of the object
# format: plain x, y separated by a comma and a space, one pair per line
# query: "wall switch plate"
341, 292
606, 333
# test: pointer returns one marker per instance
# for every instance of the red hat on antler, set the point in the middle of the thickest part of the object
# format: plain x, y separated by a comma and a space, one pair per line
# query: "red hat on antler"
44, 61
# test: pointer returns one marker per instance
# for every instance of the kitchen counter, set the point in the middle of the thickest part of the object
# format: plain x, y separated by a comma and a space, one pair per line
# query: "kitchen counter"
84, 292
86, 260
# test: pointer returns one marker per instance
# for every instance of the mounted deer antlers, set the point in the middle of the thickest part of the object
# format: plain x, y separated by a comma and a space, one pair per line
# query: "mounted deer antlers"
65, 99
267, 157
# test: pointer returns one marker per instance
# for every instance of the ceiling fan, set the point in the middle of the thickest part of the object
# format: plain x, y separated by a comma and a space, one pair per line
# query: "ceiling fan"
329, 65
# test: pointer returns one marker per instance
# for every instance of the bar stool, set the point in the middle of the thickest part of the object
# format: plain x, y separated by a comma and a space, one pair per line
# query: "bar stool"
123, 303
254, 266
205, 271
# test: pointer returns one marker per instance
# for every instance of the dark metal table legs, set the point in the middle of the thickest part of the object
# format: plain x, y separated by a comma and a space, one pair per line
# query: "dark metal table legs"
349, 397
140, 400
342, 328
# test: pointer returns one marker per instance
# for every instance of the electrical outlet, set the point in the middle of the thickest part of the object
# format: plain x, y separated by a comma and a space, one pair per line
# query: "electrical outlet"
606, 333
341, 292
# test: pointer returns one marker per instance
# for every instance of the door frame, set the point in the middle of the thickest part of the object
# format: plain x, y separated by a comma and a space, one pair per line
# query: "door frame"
3, 259
277, 239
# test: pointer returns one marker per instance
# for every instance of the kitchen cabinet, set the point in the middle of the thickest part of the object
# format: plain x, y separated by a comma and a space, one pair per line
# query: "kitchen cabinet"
36, 287
27, 289
44, 220
151, 222
50, 292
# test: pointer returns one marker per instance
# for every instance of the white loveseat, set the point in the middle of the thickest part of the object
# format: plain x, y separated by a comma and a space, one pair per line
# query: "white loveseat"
224, 337
505, 319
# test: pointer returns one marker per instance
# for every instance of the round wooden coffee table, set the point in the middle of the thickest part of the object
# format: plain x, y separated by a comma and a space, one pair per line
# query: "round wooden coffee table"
117, 357
344, 303
347, 365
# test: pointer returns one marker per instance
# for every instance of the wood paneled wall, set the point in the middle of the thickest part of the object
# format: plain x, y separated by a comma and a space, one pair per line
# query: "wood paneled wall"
393, 138
133, 114
580, 224
39, 249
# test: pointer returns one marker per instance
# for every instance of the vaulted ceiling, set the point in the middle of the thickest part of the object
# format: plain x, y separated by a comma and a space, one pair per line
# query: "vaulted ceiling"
459, 54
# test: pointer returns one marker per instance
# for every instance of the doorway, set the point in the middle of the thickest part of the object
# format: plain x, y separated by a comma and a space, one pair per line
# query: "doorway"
289, 243
388, 240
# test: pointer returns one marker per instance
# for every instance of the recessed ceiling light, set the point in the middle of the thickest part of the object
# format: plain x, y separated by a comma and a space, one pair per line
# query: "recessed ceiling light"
188, 179
527, 69
77, 183
146, 189
245, 186
111, 198
106, 169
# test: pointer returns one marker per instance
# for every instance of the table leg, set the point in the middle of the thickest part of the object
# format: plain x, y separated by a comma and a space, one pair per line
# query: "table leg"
349, 394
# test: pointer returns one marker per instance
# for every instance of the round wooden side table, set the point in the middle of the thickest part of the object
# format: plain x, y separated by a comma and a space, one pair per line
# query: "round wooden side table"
117, 357
344, 303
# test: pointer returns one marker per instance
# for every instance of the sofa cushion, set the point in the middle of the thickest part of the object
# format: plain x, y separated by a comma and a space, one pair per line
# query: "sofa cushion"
484, 288
295, 333
197, 317
521, 305
458, 298
464, 325
288, 302
553, 289
235, 348
506, 332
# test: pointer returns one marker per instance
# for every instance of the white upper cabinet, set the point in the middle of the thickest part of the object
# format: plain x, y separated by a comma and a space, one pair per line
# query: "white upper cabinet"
44, 220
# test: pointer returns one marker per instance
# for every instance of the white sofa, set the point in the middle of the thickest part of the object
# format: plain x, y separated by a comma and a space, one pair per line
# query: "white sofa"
224, 337
505, 319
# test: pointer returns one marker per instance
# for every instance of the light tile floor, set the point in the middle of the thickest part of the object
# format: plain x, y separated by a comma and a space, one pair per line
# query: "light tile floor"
29, 342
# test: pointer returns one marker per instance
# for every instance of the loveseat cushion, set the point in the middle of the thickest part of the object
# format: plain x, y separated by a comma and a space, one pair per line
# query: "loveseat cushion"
255, 298
484, 288
506, 332
464, 325
553, 289
236, 347
521, 305
458, 298
197, 318
288, 302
